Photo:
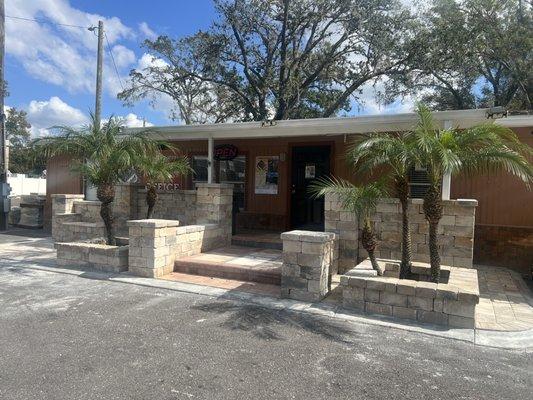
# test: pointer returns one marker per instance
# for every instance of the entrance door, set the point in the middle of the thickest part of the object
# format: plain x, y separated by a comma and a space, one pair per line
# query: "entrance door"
308, 164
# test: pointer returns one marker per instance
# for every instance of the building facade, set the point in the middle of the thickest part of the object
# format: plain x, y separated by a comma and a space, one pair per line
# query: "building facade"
271, 165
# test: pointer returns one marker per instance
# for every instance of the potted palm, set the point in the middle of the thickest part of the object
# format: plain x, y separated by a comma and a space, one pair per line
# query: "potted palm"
361, 200
156, 169
394, 153
102, 156
480, 149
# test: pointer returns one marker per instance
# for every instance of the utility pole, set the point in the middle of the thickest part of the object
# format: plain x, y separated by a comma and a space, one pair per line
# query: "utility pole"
99, 66
4, 186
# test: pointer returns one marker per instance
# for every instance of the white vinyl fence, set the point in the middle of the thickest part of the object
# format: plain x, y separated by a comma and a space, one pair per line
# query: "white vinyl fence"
22, 185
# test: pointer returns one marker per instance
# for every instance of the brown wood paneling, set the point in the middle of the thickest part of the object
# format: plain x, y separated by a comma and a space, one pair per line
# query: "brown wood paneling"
503, 200
59, 180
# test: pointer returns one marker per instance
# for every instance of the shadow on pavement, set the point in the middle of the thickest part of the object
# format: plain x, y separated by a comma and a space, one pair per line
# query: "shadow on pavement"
262, 322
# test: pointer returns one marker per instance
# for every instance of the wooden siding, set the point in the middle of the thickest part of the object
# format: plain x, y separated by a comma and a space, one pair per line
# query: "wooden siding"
59, 180
503, 200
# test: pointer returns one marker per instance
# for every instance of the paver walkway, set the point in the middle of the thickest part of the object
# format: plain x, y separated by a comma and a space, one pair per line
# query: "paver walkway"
505, 302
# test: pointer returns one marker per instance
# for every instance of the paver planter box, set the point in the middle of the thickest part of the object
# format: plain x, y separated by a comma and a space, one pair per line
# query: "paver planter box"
450, 304
93, 255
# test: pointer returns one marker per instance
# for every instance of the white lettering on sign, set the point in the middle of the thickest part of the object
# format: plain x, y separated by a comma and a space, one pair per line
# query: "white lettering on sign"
168, 187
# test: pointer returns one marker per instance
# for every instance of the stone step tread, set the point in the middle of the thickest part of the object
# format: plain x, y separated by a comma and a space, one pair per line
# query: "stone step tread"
263, 273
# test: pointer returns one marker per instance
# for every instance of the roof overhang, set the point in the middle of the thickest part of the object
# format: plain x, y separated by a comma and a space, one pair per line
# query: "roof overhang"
314, 127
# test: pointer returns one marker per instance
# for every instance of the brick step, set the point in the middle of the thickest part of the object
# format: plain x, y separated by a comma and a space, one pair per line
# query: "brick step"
268, 275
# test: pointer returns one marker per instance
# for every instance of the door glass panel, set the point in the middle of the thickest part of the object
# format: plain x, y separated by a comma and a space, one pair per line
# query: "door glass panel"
199, 166
234, 172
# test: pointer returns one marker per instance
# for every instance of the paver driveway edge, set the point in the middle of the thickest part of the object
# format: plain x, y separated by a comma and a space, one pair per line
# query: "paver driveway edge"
504, 340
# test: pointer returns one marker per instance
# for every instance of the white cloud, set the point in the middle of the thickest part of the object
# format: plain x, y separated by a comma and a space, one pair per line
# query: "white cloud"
147, 31
61, 55
133, 121
42, 115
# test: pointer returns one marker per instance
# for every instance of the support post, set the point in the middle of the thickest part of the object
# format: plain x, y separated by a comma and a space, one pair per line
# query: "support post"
210, 160
99, 66
447, 178
4, 186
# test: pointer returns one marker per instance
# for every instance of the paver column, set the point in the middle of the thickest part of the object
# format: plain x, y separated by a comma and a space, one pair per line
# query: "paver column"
214, 203
62, 205
152, 244
123, 206
307, 259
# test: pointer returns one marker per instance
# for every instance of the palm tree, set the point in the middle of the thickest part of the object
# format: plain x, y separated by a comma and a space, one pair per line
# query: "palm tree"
361, 200
394, 153
480, 149
101, 155
156, 169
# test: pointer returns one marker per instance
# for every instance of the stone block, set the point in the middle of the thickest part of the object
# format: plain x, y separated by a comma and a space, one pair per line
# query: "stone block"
293, 246
375, 284
406, 287
353, 293
438, 305
393, 299
459, 308
372, 295
420, 303
432, 317
404, 312
426, 289
358, 305
376, 308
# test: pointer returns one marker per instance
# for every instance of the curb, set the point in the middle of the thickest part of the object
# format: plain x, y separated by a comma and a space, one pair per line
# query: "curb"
521, 340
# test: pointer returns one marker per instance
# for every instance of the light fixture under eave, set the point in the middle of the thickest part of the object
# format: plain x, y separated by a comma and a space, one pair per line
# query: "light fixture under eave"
268, 122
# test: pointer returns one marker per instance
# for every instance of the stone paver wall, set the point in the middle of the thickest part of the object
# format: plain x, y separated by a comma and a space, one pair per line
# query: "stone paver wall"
307, 260
155, 244
92, 255
455, 232
178, 205
449, 304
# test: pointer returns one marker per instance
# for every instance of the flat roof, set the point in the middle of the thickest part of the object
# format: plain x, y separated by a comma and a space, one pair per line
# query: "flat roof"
325, 126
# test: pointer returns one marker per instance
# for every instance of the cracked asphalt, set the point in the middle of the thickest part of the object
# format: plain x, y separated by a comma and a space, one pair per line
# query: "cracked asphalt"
70, 337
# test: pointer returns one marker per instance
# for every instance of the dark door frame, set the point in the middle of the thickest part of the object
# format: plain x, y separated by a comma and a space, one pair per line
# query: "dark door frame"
325, 143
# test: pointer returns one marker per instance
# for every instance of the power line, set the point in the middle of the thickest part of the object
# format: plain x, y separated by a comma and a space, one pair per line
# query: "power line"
46, 22
113, 60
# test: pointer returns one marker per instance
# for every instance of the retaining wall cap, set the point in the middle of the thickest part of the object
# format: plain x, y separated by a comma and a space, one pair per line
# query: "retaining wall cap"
215, 185
308, 236
467, 202
88, 202
68, 196
153, 223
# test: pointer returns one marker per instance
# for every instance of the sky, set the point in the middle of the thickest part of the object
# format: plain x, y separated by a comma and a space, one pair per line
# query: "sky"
51, 69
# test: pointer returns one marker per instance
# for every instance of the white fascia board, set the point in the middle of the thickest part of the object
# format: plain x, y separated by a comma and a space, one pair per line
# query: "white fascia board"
312, 127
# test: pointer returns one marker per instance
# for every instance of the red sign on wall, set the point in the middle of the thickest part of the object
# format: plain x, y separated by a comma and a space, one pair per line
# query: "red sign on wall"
225, 152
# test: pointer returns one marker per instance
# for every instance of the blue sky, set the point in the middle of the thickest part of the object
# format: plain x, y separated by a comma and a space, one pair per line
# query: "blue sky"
51, 69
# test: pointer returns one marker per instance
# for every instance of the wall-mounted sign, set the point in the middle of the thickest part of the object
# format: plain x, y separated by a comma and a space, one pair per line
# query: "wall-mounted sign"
266, 175
168, 187
310, 171
225, 152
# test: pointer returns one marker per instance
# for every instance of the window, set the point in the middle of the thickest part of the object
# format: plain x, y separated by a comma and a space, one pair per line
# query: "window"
199, 166
418, 182
234, 172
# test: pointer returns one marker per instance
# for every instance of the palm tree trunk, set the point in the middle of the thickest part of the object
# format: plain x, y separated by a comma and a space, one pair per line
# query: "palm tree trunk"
402, 187
151, 199
433, 213
369, 242
106, 195
434, 256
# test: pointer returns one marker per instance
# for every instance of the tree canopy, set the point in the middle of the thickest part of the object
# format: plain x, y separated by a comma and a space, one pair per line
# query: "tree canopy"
286, 59
277, 59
